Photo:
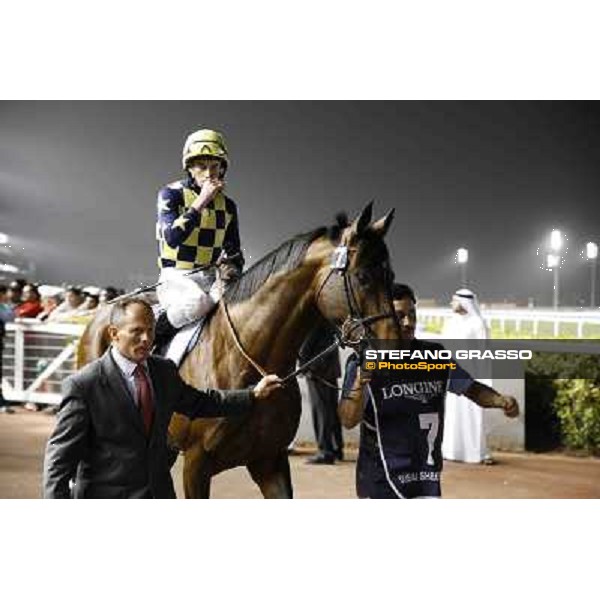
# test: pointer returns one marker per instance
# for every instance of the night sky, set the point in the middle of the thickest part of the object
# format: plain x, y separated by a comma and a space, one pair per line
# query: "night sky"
78, 184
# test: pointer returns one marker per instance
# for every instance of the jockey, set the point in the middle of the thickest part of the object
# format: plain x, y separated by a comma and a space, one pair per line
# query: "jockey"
197, 226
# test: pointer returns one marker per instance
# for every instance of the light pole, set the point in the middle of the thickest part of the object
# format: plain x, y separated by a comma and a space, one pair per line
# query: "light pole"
592, 255
554, 263
462, 257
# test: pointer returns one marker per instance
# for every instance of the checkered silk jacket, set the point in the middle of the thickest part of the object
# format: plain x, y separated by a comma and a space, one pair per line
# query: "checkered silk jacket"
188, 239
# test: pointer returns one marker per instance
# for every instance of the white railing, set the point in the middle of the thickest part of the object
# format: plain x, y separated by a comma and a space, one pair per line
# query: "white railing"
584, 320
37, 357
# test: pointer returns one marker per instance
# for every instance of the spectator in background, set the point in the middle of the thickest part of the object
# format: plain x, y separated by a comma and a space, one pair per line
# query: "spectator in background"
107, 294
464, 425
6, 311
91, 296
6, 315
30, 306
15, 290
51, 297
69, 306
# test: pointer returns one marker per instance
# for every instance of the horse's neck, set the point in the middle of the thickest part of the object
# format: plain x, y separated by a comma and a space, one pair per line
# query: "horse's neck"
273, 323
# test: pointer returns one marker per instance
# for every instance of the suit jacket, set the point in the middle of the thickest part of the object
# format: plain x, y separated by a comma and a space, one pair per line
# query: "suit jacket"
99, 433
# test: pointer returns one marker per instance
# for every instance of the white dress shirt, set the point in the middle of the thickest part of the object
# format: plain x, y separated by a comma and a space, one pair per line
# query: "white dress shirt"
127, 368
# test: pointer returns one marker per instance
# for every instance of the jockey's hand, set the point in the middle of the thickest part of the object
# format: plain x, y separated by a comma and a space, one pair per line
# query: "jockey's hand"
511, 407
210, 188
266, 386
229, 272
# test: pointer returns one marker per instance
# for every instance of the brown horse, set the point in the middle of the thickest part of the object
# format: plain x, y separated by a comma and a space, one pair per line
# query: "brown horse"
271, 309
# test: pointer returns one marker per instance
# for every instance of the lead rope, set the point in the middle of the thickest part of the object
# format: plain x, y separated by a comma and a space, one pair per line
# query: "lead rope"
285, 379
243, 352
237, 340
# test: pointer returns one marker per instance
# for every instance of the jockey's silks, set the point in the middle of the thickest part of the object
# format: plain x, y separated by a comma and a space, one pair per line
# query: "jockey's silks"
401, 434
188, 239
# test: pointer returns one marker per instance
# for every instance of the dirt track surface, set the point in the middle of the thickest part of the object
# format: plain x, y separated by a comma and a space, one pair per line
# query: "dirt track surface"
23, 436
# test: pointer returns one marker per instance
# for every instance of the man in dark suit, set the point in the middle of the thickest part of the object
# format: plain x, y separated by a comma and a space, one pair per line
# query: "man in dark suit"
321, 381
111, 429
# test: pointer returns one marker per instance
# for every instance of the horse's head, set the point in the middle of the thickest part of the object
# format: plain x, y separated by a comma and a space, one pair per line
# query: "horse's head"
354, 282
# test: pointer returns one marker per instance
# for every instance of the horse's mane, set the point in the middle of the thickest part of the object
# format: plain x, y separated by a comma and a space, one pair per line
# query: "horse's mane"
283, 259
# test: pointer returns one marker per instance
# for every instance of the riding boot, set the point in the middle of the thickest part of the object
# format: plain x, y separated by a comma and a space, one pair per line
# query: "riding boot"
164, 333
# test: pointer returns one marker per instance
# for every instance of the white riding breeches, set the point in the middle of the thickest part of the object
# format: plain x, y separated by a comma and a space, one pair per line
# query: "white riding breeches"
187, 298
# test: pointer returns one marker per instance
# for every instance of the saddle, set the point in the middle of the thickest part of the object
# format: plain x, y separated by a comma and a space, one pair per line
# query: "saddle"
175, 344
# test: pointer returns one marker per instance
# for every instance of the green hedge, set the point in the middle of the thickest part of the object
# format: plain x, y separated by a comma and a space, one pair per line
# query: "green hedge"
562, 408
577, 405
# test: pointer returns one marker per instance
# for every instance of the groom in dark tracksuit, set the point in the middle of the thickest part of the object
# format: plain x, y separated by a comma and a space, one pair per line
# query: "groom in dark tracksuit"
111, 430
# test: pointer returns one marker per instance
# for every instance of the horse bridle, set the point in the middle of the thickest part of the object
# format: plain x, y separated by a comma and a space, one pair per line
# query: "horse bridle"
355, 320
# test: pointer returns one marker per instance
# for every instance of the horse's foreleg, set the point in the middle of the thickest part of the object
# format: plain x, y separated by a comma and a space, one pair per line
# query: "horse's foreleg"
196, 473
273, 477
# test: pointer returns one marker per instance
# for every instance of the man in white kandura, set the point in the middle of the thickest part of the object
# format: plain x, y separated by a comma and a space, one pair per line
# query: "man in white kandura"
464, 427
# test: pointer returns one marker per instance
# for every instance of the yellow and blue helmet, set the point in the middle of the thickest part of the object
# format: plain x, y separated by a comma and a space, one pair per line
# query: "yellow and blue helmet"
205, 142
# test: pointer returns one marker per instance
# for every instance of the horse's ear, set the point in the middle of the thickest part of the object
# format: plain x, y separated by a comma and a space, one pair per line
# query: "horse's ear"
360, 224
381, 227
